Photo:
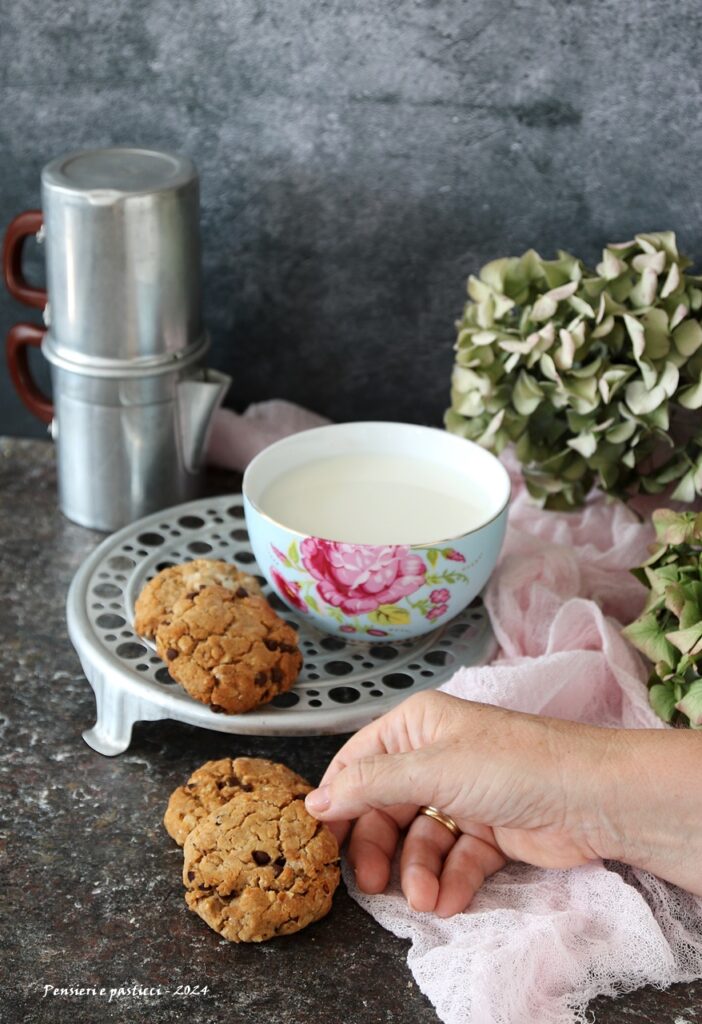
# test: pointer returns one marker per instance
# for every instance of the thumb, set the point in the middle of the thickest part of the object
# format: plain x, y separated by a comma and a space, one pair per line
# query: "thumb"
385, 780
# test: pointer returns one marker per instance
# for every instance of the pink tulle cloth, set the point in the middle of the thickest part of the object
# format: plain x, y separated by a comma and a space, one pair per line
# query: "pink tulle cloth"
237, 437
537, 945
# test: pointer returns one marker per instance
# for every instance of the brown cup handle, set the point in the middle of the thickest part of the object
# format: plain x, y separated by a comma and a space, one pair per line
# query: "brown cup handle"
19, 229
19, 338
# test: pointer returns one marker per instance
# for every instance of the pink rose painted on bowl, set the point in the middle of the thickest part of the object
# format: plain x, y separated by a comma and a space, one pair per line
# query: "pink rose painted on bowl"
440, 596
437, 611
291, 592
359, 578
453, 555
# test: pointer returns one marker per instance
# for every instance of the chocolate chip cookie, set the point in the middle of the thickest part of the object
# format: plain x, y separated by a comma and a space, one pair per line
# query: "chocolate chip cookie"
260, 867
216, 782
228, 648
156, 601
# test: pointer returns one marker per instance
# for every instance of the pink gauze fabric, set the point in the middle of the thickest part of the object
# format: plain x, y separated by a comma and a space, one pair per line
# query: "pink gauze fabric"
536, 945
236, 438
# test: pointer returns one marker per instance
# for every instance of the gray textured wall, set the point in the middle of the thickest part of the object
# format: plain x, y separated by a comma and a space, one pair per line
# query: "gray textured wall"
359, 159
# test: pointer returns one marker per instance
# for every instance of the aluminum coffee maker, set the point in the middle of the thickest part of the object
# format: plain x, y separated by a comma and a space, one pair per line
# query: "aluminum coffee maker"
132, 400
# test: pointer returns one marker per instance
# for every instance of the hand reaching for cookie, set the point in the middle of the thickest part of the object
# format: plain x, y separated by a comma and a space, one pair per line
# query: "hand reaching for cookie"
544, 791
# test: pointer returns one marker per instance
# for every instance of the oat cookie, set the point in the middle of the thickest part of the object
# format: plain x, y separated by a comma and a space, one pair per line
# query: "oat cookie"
260, 866
216, 782
155, 602
229, 650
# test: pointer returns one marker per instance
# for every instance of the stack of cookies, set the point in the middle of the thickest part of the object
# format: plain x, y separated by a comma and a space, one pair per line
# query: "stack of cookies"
256, 864
218, 636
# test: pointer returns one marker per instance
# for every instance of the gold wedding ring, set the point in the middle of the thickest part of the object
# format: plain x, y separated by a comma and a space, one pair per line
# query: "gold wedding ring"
444, 819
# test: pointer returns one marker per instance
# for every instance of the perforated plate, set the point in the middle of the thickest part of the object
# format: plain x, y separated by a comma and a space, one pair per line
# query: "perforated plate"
343, 684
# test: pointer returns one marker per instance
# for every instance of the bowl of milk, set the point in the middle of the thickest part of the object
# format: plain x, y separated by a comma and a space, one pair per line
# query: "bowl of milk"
376, 531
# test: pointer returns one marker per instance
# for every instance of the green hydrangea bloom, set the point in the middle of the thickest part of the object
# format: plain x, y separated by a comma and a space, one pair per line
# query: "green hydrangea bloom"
593, 375
669, 629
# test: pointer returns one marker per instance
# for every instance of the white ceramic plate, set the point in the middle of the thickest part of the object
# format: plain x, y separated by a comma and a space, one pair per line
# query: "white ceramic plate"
342, 686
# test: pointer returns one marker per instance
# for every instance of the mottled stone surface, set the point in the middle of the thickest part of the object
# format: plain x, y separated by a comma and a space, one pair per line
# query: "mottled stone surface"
359, 160
90, 882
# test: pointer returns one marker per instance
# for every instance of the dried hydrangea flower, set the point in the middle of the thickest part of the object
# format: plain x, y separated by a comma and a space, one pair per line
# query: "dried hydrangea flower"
669, 629
590, 374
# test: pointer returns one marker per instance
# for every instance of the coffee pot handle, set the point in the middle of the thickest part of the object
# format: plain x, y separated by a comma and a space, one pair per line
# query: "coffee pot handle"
19, 338
19, 229
23, 335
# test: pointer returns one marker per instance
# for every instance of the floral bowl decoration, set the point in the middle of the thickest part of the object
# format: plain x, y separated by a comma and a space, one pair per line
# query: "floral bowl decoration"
375, 592
669, 630
590, 374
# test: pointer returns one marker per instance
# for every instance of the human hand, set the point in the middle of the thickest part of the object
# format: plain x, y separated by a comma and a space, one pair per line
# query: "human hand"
519, 787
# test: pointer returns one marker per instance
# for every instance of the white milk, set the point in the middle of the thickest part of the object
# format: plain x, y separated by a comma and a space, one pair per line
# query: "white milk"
376, 499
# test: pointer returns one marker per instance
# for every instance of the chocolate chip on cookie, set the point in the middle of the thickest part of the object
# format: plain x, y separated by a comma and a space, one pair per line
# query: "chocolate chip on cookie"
260, 866
216, 782
155, 602
221, 655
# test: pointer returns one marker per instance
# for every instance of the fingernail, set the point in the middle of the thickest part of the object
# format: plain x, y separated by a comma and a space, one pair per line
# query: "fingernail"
318, 799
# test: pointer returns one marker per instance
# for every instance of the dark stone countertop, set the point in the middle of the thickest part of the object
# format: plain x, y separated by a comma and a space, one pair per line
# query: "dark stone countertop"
91, 891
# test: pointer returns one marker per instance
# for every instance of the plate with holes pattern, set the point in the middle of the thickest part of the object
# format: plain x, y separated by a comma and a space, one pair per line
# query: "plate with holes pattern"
342, 685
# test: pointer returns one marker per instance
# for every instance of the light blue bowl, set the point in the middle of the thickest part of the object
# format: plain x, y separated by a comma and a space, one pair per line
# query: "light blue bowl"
383, 592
